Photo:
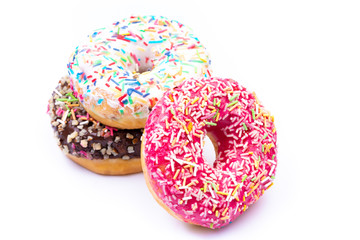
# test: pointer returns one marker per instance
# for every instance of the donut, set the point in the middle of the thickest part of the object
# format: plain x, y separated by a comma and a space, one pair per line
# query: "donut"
244, 138
89, 143
120, 71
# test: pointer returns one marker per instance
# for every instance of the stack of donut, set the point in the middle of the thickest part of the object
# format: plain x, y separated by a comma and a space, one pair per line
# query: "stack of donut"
116, 76
142, 89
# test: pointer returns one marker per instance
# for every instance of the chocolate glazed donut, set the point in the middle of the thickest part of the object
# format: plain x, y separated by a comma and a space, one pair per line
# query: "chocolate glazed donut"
99, 148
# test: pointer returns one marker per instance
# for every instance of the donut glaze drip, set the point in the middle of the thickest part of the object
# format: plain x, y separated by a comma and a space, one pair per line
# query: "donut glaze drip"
245, 165
123, 69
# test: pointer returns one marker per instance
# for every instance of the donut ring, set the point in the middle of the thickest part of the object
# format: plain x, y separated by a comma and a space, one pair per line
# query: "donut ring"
92, 145
121, 71
244, 136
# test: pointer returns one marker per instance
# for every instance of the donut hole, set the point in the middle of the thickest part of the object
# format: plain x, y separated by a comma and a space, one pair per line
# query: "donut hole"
144, 68
145, 62
209, 151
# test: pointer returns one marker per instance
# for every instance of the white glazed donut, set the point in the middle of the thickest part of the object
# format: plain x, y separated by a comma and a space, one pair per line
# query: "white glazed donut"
121, 71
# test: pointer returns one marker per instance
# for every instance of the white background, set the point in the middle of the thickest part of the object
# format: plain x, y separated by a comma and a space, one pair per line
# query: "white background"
301, 57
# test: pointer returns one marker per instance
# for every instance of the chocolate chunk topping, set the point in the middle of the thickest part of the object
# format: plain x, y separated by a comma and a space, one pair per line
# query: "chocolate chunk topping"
82, 136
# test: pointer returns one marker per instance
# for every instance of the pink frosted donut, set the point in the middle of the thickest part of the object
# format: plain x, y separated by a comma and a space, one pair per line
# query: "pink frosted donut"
244, 137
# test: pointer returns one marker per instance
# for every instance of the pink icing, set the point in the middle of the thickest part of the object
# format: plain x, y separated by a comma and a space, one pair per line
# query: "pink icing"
210, 196
59, 112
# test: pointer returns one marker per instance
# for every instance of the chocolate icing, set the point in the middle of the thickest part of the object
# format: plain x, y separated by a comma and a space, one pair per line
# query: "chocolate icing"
84, 136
